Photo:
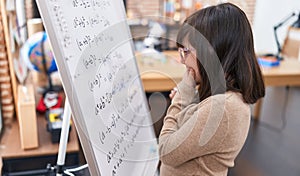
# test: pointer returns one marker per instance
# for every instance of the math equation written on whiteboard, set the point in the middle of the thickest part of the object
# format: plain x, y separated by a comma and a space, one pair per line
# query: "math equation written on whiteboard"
108, 100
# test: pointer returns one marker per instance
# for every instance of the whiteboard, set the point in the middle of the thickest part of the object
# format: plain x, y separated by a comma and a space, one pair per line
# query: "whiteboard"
93, 49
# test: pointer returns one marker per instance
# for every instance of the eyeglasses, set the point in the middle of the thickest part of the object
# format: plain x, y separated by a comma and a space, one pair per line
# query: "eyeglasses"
184, 52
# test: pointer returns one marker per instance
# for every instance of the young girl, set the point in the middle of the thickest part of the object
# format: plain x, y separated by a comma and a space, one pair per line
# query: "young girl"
208, 120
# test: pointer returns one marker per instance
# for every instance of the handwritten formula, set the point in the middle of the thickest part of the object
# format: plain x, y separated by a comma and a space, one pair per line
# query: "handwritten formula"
92, 45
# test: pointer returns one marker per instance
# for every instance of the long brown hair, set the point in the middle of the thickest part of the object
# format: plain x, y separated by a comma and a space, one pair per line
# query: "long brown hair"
227, 30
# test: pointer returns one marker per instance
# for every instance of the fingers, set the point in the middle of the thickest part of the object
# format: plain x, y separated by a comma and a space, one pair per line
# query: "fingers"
173, 92
189, 77
192, 72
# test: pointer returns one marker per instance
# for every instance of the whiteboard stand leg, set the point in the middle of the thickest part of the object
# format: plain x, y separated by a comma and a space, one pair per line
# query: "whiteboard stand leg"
63, 139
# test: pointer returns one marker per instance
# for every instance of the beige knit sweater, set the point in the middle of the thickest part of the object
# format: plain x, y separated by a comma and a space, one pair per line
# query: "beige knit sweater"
202, 138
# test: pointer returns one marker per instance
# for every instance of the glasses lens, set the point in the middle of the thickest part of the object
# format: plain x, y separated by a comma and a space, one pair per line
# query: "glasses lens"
183, 52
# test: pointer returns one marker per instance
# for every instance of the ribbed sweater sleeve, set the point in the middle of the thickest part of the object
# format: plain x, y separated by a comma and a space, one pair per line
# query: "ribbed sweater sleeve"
185, 95
200, 135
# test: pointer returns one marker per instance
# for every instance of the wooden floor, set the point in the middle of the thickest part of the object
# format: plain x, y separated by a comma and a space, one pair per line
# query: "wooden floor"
273, 148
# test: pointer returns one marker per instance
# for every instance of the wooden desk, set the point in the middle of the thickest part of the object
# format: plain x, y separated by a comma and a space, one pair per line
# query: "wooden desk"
159, 76
11, 146
287, 74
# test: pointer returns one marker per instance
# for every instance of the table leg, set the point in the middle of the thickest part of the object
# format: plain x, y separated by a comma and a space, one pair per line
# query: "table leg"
257, 109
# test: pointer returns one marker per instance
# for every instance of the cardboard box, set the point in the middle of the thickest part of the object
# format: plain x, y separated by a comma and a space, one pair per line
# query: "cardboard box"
291, 44
27, 117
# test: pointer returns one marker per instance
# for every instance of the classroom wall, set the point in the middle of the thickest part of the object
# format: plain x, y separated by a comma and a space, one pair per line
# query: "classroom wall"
248, 6
155, 7
269, 13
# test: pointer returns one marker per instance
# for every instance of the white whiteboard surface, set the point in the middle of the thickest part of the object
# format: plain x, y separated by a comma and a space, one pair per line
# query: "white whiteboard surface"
93, 50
